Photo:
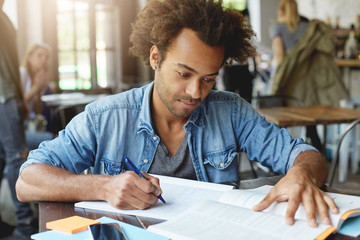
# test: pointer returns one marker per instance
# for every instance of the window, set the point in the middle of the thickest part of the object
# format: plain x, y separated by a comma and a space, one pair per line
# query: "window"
87, 38
235, 4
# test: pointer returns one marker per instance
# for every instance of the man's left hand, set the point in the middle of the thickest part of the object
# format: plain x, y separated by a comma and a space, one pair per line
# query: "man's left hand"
300, 186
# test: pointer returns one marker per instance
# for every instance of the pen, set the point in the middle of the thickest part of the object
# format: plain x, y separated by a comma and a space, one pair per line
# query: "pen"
137, 171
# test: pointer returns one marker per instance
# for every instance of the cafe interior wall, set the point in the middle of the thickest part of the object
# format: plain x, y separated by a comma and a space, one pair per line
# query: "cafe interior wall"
344, 12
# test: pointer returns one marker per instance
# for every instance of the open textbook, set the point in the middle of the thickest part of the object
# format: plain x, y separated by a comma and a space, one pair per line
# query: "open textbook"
232, 218
190, 203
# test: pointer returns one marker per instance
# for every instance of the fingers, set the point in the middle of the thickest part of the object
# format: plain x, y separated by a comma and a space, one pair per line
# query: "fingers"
314, 201
132, 199
312, 198
155, 182
266, 202
130, 191
293, 205
310, 208
331, 204
322, 208
318, 202
140, 199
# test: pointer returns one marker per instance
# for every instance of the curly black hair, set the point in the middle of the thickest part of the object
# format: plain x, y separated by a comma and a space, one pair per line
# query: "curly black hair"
161, 20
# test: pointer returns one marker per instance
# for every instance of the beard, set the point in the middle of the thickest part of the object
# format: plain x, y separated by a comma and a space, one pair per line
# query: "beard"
171, 101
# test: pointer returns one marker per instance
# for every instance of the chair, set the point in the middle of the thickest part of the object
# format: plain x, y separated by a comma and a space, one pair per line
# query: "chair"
336, 158
64, 113
239, 79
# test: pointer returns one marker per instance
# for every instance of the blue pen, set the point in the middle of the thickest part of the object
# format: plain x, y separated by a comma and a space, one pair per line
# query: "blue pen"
137, 171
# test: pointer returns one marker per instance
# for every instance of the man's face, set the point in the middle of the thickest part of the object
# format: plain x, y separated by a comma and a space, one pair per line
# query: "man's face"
186, 75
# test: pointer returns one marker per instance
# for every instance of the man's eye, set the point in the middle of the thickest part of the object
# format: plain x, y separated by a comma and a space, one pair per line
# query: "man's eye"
184, 75
208, 80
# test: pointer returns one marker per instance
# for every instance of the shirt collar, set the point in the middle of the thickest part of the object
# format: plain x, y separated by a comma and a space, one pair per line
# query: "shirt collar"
145, 114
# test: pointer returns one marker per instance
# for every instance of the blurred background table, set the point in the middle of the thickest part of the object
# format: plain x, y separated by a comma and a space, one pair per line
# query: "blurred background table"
64, 106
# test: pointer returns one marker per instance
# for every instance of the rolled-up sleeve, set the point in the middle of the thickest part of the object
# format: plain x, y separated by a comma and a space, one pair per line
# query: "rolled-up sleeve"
296, 151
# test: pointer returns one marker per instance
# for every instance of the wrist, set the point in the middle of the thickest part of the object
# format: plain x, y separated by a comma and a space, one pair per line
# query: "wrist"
96, 187
303, 174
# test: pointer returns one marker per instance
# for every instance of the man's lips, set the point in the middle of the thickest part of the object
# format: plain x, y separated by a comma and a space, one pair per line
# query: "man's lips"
189, 104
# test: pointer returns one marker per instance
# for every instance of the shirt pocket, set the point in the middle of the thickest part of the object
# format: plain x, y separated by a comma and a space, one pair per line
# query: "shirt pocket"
221, 159
111, 167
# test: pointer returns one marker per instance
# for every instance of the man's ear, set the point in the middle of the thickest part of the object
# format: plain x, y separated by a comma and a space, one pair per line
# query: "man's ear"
154, 56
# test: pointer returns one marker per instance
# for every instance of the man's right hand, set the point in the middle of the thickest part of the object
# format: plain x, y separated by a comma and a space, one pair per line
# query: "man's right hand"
130, 191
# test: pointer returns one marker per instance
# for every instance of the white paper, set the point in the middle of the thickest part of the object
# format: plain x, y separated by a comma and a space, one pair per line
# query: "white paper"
179, 194
215, 220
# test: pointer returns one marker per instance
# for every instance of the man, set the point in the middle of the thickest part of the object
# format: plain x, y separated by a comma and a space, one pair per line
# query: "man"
13, 148
176, 125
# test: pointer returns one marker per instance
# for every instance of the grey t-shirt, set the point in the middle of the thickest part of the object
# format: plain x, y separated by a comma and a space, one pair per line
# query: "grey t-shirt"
290, 39
180, 165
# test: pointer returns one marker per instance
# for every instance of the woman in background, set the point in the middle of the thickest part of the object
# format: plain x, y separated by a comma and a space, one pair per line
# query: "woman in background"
285, 34
289, 29
35, 80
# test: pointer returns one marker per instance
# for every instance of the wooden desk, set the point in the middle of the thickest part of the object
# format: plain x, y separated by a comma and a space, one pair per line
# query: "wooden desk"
309, 116
49, 211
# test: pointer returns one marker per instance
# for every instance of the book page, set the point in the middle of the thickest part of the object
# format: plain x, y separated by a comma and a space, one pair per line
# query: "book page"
179, 194
250, 197
215, 220
344, 203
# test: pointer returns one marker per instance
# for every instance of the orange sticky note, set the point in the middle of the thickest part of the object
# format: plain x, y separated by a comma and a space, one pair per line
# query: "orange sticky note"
71, 225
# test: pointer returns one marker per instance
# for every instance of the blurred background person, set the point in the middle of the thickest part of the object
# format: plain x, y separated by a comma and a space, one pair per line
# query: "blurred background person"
304, 62
13, 148
35, 82
288, 30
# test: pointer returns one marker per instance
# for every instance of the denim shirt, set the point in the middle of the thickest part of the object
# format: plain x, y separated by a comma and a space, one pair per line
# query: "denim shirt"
120, 125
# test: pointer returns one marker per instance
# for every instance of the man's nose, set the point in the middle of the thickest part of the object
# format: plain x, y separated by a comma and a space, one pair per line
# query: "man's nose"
194, 88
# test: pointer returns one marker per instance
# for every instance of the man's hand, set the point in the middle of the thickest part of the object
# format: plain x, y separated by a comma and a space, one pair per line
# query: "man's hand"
301, 185
130, 191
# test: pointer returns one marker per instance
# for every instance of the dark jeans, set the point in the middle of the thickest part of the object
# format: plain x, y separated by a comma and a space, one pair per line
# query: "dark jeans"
12, 148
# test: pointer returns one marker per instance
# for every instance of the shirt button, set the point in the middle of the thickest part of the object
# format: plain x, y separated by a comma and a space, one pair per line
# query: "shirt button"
146, 161
222, 164
154, 138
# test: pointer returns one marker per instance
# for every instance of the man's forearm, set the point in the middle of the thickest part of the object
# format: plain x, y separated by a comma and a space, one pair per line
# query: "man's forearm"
41, 182
314, 164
